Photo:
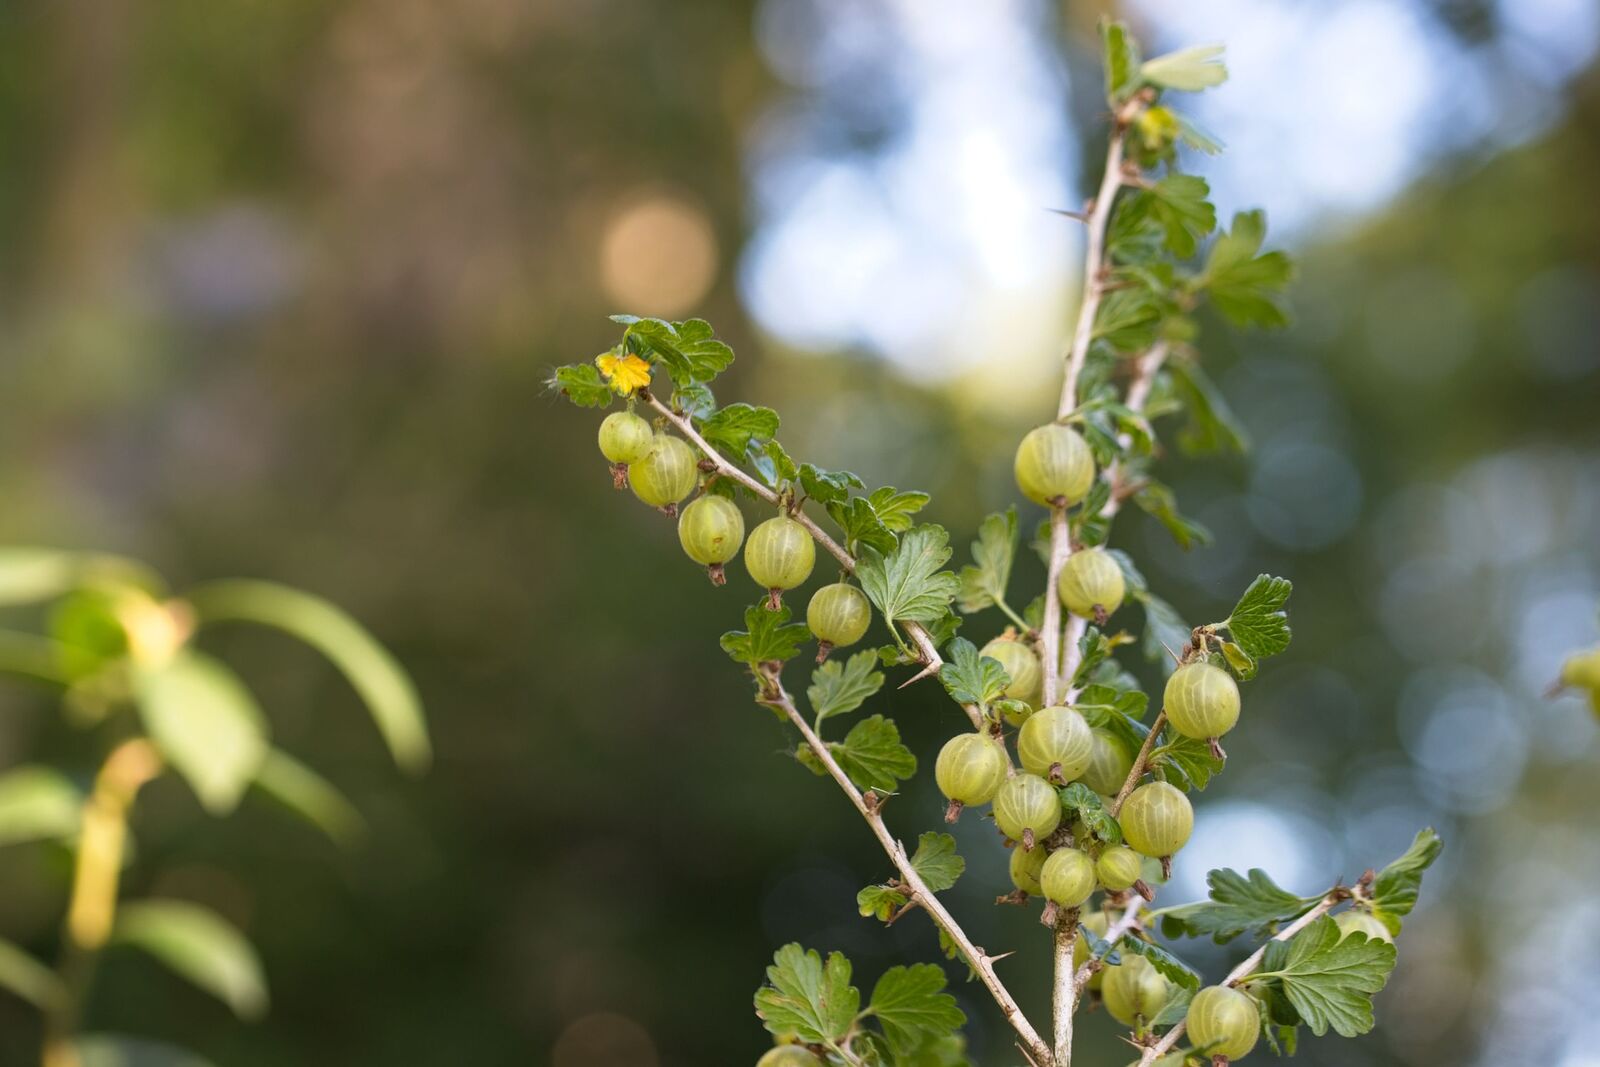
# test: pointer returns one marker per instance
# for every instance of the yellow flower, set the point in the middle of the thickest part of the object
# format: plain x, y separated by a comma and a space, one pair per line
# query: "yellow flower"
625, 373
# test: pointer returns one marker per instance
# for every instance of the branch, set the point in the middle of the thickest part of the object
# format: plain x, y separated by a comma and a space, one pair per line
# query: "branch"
1250, 963
1064, 1002
926, 651
1137, 770
982, 964
1129, 920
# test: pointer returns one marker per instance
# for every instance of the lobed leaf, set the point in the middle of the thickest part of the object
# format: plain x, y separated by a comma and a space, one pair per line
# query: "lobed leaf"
806, 998
1259, 622
1238, 903
837, 689
984, 581
583, 384
1329, 979
872, 756
937, 861
1394, 892
1188, 69
970, 678
771, 637
912, 1007
908, 583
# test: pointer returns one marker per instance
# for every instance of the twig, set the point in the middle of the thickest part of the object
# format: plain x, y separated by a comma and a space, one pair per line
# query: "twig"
1064, 1001
1114, 932
1250, 963
912, 882
1137, 770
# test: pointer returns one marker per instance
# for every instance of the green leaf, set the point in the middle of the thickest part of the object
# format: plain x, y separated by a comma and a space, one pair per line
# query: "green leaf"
29, 575
970, 678
1197, 136
1163, 961
880, 902
861, 526
117, 1050
770, 637
1128, 319
1328, 979
1079, 800
895, 508
736, 427
1242, 663
376, 676
908, 584
1179, 203
983, 582
1238, 903
1188, 69
309, 795
1212, 426
1159, 502
1259, 622
1394, 892
28, 978
837, 689
1121, 60
206, 724
198, 945
1247, 288
695, 400
37, 804
911, 1005
873, 757
1173, 1011
1165, 632
582, 384
687, 349
1190, 758
937, 862
807, 999
773, 464
827, 486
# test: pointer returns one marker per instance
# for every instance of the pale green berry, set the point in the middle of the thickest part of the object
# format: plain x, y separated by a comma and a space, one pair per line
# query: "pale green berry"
1582, 670
1068, 877
1134, 991
839, 614
1053, 463
1091, 584
1026, 864
1156, 819
1359, 920
1055, 738
666, 474
788, 1056
711, 530
1110, 760
780, 553
1118, 868
1027, 808
1099, 923
970, 768
1223, 1022
625, 437
1201, 701
1022, 666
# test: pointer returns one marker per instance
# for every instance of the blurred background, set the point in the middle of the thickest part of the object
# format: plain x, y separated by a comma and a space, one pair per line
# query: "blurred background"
280, 283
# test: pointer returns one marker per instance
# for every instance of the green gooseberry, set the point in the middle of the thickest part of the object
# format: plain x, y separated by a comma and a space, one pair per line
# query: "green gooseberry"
1068, 877
710, 530
1201, 701
1053, 463
1027, 808
1156, 819
1058, 739
666, 474
1091, 584
970, 769
1223, 1022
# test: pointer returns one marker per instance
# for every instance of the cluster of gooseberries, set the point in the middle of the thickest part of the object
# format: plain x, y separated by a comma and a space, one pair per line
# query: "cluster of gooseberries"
779, 554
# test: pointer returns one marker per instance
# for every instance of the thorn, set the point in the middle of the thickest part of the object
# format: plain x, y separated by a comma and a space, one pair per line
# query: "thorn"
1079, 215
907, 906
1171, 653
928, 671
996, 959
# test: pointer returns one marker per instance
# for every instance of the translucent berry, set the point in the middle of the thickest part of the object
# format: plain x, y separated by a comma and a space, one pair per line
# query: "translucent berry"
1110, 760
1025, 867
1099, 923
625, 437
1068, 877
711, 530
1054, 462
1091, 584
970, 769
1058, 739
1134, 991
780, 554
1201, 701
1359, 920
1022, 665
666, 474
788, 1056
1582, 670
1027, 809
839, 614
1118, 868
1156, 819
1223, 1022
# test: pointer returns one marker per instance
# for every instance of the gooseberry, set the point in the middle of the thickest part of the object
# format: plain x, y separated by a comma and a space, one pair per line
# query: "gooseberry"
1025, 867
625, 437
1068, 877
838, 615
1156, 819
1027, 809
788, 1056
780, 555
1201, 701
1022, 665
1118, 868
1055, 743
665, 475
1360, 920
1223, 1022
970, 769
1054, 464
711, 530
1109, 763
1134, 990
1091, 584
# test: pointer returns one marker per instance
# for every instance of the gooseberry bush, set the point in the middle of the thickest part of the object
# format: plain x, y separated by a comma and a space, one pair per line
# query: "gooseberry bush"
1089, 792
122, 650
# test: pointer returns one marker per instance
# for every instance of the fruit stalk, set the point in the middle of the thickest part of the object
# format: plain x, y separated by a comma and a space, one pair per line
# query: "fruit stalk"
983, 964
1137, 770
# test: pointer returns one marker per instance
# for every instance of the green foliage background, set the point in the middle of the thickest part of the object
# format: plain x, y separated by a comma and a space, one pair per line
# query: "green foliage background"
610, 826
